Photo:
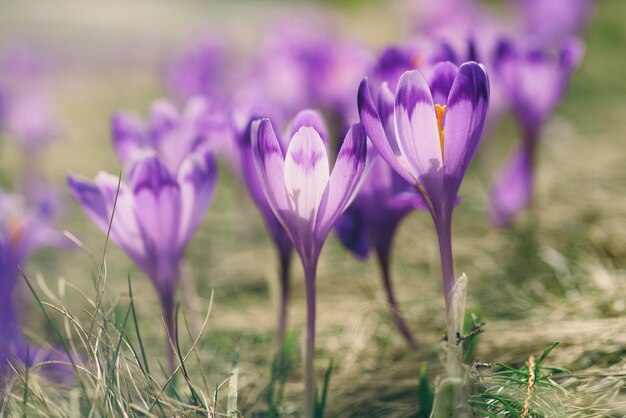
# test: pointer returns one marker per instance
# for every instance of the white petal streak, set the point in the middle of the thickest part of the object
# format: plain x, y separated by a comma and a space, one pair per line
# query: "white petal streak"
416, 125
306, 173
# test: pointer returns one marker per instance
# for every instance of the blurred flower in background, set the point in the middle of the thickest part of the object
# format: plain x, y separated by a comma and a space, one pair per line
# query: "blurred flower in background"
24, 229
27, 112
554, 20
371, 221
172, 133
307, 62
202, 68
169, 185
534, 79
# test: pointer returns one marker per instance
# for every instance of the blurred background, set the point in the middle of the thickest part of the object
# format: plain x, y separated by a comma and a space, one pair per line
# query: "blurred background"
557, 275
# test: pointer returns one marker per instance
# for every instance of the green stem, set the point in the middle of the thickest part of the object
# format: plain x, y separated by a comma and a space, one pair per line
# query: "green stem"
310, 272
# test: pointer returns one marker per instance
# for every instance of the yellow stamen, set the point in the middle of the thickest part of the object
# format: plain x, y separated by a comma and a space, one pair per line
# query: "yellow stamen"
440, 111
16, 230
417, 61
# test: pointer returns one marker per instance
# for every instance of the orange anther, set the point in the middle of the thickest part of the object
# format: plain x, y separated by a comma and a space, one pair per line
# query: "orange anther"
440, 111
16, 230
417, 61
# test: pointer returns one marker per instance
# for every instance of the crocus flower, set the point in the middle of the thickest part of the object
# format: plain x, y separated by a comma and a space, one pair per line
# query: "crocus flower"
312, 65
554, 20
27, 112
429, 16
307, 199
371, 222
423, 53
171, 133
23, 231
456, 21
534, 81
438, 127
29, 117
199, 69
157, 211
306, 118
419, 54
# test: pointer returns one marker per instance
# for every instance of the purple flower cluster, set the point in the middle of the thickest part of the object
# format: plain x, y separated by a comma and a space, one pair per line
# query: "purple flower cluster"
403, 127
424, 110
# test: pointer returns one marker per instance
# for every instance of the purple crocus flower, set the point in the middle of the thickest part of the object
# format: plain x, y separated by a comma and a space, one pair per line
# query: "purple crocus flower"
306, 118
418, 54
429, 16
27, 111
371, 222
307, 199
157, 212
312, 65
199, 69
29, 117
421, 53
437, 129
23, 231
335, 87
554, 20
534, 81
171, 133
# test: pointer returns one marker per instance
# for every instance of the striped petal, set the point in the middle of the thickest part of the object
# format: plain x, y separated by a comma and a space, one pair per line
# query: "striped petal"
306, 174
309, 118
197, 178
345, 178
418, 135
386, 103
376, 133
157, 206
270, 164
97, 200
441, 80
464, 124
129, 135
163, 117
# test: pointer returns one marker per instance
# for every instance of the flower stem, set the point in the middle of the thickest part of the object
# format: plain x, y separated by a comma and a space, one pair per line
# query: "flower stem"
444, 235
167, 303
10, 338
530, 140
530, 144
310, 272
398, 319
285, 262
